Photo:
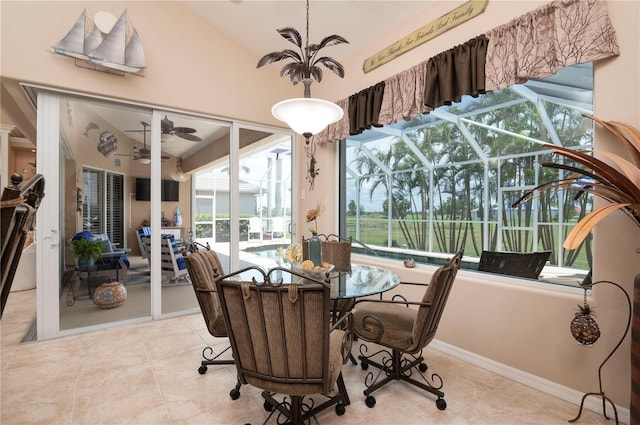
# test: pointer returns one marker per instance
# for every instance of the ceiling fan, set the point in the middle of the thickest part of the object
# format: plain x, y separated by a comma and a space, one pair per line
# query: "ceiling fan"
169, 130
144, 154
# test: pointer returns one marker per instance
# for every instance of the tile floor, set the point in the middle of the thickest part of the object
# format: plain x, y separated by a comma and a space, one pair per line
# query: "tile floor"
147, 374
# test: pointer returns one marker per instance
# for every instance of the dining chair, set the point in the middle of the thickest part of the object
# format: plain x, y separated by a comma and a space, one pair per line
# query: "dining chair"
205, 268
18, 206
283, 342
519, 264
404, 328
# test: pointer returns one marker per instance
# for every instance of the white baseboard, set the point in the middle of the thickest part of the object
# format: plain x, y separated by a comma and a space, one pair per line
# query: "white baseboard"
541, 384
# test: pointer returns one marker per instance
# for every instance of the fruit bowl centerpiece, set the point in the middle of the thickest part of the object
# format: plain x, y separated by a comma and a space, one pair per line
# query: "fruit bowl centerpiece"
309, 269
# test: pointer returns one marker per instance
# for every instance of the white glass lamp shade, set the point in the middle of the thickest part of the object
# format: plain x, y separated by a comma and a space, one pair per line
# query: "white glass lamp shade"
307, 115
145, 161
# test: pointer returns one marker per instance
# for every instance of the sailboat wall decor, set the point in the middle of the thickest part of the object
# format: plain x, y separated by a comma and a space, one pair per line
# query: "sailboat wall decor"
118, 50
83, 37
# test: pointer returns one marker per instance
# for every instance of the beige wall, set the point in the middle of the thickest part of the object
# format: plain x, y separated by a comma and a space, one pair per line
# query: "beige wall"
521, 327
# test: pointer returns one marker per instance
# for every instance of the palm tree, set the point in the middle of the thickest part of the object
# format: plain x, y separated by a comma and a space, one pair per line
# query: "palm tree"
618, 184
305, 64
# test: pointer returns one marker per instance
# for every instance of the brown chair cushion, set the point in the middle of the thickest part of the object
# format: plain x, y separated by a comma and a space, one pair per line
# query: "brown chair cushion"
200, 265
398, 324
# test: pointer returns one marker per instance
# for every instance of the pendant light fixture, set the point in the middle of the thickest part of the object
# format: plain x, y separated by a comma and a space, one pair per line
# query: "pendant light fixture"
306, 116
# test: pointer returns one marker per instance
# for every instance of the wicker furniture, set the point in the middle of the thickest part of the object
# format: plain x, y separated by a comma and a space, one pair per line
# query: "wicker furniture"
18, 206
403, 332
204, 268
282, 342
336, 250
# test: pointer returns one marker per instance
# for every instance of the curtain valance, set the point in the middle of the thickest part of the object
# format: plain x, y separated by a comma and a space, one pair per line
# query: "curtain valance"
534, 45
539, 43
456, 72
403, 95
364, 109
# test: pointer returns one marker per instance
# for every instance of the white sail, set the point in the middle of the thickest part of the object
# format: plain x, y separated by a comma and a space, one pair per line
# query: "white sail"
121, 49
82, 38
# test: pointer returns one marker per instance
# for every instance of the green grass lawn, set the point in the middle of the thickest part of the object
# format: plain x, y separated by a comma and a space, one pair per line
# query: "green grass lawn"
374, 231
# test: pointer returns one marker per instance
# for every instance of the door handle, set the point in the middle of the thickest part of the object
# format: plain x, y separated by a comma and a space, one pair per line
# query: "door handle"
53, 237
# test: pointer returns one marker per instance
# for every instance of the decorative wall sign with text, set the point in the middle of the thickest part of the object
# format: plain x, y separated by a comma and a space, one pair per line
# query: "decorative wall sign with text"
452, 19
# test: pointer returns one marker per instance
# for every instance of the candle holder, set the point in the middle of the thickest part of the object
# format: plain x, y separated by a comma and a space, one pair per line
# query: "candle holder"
587, 284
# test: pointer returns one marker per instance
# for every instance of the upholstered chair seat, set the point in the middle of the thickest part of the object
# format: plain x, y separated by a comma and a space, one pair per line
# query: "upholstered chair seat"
398, 325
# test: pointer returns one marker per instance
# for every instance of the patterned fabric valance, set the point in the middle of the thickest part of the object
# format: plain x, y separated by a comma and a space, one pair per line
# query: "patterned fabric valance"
534, 45
403, 98
338, 130
539, 43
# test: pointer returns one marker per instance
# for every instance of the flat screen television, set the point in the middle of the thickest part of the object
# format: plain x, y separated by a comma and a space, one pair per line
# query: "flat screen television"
170, 190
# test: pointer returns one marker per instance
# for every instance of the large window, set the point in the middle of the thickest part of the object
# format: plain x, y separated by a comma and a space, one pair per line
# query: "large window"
446, 181
103, 199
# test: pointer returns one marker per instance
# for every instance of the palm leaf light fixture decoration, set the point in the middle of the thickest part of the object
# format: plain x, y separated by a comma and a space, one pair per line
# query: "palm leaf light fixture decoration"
307, 116
615, 180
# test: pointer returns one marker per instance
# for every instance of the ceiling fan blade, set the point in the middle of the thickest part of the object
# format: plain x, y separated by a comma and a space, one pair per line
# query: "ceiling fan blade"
184, 130
188, 136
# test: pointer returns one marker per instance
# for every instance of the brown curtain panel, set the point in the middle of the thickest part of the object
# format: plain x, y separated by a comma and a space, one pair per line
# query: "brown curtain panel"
364, 109
537, 44
456, 72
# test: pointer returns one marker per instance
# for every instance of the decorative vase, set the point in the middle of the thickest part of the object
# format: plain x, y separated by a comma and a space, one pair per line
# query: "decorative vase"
177, 217
110, 295
315, 250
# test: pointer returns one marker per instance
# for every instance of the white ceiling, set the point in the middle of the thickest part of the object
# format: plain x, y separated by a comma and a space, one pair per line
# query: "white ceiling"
253, 23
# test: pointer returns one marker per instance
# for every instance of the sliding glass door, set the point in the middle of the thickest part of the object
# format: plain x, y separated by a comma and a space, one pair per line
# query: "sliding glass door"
247, 208
147, 184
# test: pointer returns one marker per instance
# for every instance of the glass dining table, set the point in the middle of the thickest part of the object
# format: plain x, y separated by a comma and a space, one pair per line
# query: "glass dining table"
361, 281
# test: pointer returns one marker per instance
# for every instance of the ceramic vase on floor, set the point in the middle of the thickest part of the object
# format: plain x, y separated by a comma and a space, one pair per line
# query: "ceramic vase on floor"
110, 295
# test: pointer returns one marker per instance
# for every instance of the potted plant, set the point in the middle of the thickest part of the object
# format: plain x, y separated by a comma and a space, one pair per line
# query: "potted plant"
86, 251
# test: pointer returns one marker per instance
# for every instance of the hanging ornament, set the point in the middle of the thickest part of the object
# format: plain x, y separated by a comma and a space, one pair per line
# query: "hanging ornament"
584, 328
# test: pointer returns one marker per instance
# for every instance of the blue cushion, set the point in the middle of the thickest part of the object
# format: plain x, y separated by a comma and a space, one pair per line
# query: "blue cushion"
82, 235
